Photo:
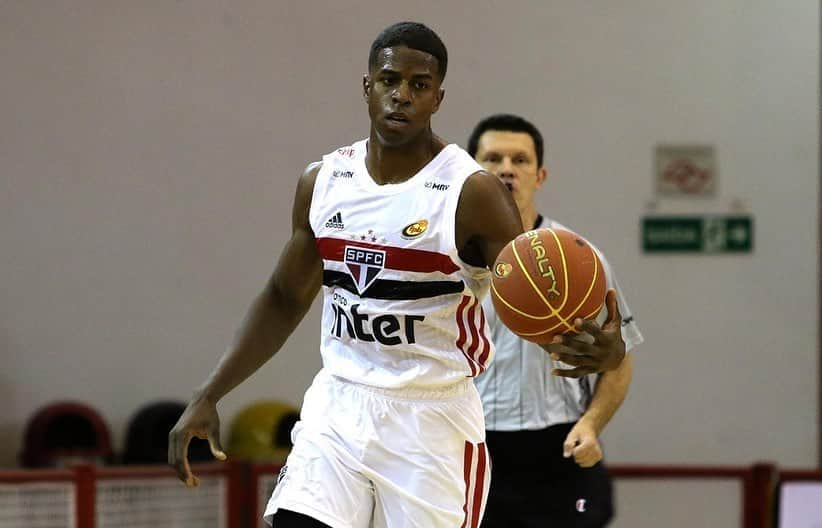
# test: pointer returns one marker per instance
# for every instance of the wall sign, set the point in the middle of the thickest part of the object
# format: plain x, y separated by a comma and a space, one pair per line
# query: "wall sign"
697, 234
685, 170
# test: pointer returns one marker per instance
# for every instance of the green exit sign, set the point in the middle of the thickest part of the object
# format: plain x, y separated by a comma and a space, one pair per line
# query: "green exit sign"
697, 234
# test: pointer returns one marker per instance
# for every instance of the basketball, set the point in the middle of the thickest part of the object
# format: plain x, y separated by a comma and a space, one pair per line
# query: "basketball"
543, 280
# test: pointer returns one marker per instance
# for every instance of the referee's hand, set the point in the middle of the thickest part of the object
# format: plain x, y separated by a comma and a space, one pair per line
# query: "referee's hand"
582, 444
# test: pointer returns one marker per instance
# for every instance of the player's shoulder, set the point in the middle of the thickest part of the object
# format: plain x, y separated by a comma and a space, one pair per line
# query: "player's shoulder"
310, 172
452, 163
306, 182
457, 153
339, 161
486, 209
480, 190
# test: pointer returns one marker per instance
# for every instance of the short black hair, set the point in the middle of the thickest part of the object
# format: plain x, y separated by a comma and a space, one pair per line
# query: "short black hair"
505, 123
411, 35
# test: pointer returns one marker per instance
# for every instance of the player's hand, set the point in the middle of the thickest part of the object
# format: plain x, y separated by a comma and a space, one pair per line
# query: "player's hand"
605, 353
582, 444
200, 419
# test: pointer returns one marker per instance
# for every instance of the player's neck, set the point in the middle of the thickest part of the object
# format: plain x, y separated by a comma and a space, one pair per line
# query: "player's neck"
395, 164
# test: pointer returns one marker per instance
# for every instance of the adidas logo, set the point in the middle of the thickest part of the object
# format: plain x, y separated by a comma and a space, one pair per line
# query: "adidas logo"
335, 222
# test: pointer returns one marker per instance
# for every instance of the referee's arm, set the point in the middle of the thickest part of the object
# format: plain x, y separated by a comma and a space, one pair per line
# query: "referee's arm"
583, 441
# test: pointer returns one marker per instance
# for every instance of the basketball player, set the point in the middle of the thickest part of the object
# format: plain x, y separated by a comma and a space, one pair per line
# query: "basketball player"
542, 431
398, 230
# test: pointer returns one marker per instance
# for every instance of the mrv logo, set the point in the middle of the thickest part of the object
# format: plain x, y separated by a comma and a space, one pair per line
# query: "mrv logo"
364, 265
386, 329
436, 186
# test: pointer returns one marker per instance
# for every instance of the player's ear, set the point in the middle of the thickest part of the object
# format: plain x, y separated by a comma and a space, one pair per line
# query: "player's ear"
366, 86
440, 97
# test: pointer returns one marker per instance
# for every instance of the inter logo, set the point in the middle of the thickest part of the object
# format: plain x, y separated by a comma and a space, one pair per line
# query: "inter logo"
364, 265
415, 229
386, 329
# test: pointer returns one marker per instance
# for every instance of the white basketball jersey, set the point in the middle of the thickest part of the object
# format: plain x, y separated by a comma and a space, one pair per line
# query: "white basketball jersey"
400, 308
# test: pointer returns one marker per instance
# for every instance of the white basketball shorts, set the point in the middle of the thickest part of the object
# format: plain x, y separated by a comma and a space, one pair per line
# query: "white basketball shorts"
366, 457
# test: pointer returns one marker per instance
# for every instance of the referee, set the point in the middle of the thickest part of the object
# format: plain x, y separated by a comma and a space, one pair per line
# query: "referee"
543, 429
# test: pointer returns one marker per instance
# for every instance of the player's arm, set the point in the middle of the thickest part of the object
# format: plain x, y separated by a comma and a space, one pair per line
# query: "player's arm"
487, 219
582, 441
272, 317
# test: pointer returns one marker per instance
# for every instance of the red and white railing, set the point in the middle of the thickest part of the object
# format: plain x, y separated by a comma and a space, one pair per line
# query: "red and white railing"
234, 495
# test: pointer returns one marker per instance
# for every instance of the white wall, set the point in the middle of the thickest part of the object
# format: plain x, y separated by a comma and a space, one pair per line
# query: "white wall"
149, 153
683, 503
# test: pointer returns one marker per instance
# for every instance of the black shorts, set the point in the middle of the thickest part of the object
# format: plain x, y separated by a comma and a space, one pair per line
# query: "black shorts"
533, 485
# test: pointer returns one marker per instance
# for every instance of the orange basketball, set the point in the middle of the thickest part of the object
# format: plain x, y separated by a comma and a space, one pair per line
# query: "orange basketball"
543, 280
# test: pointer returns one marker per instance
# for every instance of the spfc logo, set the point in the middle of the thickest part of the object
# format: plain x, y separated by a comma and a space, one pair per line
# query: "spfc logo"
364, 265
347, 151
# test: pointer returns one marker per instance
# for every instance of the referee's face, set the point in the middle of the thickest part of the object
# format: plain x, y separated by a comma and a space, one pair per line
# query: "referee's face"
512, 157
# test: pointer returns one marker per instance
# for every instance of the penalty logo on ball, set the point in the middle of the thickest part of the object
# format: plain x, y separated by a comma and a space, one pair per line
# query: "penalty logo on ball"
502, 269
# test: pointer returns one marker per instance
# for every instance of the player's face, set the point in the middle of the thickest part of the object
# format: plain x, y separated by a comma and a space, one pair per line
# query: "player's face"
403, 92
512, 157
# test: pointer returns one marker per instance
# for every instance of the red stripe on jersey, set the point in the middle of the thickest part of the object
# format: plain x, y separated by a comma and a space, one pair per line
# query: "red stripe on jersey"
479, 485
400, 259
463, 334
467, 460
486, 346
475, 340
